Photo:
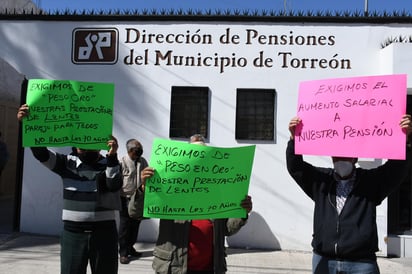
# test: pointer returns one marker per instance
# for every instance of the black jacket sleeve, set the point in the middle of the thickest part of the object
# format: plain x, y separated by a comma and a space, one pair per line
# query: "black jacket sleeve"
40, 153
307, 176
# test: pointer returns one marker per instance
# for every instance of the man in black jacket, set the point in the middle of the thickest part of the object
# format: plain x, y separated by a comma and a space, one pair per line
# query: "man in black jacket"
345, 236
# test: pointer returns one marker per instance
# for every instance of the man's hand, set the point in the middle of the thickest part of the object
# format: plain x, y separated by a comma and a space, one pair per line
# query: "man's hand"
146, 173
292, 126
247, 203
406, 123
113, 144
22, 112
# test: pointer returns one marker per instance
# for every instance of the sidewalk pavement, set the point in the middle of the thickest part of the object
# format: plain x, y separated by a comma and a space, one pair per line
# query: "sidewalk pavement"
22, 253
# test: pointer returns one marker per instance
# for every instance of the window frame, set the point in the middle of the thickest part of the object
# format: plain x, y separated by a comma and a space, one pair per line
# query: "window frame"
189, 112
261, 123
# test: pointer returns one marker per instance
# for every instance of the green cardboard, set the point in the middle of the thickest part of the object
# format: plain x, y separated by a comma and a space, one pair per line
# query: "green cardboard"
68, 113
197, 182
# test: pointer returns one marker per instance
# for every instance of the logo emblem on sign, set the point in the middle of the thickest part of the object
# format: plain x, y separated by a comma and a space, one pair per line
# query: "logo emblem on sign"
95, 46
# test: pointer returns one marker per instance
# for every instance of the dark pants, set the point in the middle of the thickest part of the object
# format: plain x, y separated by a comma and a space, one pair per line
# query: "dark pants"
128, 230
98, 246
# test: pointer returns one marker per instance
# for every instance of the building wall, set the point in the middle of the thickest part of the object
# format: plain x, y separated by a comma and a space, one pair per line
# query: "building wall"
282, 214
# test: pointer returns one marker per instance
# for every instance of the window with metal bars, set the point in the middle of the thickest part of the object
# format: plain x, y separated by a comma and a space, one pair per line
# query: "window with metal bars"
189, 111
255, 114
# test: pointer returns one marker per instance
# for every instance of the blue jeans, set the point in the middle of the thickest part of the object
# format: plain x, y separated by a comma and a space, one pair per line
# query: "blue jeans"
323, 265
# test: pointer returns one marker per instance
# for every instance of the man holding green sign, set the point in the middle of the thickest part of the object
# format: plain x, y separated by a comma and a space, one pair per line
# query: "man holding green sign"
65, 113
197, 182
197, 245
91, 182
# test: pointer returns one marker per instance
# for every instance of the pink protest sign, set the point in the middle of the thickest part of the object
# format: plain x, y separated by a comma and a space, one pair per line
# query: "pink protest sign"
352, 117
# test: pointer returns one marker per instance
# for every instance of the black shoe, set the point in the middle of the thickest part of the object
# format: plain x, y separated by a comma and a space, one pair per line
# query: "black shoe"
134, 253
124, 260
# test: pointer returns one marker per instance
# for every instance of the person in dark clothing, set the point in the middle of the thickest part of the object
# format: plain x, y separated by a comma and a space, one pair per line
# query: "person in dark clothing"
345, 237
4, 155
91, 184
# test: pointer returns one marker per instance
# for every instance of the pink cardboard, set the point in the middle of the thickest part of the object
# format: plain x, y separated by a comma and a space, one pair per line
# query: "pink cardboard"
352, 117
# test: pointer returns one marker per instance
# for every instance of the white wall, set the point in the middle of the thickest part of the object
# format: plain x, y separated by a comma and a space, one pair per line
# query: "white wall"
282, 215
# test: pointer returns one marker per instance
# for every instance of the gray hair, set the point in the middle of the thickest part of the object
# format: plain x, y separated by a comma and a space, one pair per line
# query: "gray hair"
132, 143
197, 138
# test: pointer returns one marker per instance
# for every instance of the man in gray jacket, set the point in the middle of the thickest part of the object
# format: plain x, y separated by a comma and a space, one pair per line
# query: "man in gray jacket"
131, 166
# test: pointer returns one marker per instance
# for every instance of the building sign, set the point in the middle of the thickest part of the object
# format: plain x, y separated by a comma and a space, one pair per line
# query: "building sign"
95, 46
234, 49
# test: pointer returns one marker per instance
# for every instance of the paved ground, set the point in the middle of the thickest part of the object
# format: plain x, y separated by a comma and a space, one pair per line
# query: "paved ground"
36, 254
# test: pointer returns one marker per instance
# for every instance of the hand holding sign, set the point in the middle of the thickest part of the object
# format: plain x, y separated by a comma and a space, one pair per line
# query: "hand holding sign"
352, 117
147, 173
190, 182
68, 113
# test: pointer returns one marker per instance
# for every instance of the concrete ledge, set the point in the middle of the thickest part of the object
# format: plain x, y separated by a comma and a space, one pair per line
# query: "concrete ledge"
400, 246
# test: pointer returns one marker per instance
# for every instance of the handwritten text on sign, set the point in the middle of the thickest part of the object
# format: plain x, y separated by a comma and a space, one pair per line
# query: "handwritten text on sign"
68, 113
352, 117
197, 182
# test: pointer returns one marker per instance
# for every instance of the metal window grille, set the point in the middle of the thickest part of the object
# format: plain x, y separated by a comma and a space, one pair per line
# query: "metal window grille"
255, 114
189, 111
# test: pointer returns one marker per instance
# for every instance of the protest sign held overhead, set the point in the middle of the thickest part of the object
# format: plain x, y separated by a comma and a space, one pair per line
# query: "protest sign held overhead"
352, 117
197, 182
68, 113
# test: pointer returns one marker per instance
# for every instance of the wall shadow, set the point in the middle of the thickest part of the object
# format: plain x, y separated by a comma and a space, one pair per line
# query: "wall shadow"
256, 234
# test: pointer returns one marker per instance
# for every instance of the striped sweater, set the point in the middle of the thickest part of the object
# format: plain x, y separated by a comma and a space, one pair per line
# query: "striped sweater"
90, 192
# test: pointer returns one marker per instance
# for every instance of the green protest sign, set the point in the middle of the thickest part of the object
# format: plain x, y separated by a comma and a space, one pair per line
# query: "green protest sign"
197, 182
68, 113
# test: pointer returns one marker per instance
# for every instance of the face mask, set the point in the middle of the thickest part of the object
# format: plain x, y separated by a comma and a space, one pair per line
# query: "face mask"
135, 153
343, 168
89, 157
